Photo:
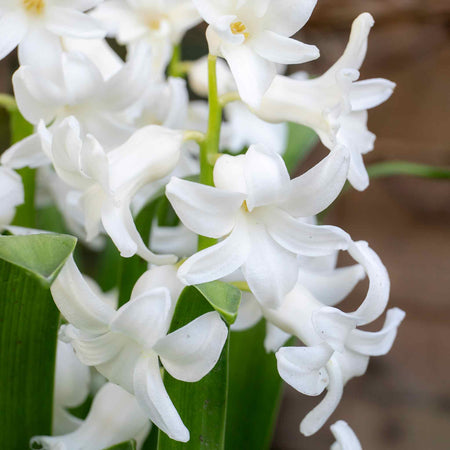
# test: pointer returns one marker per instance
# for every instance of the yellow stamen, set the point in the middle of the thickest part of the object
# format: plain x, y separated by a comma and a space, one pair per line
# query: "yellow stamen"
34, 6
244, 205
239, 28
154, 24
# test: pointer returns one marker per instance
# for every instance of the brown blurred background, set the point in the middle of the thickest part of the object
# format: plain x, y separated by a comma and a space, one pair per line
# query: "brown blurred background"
403, 402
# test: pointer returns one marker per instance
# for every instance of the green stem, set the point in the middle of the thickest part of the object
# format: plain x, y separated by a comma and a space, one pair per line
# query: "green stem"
391, 168
209, 149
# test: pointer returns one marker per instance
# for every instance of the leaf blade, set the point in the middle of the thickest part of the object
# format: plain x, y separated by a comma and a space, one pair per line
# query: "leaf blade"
223, 297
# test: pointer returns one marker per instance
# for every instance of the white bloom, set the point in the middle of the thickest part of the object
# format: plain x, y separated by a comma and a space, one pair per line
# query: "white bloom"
11, 195
253, 36
126, 345
337, 351
108, 62
115, 416
109, 181
36, 26
71, 388
345, 437
335, 104
160, 23
244, 129
99, 104
177, 240
255, 207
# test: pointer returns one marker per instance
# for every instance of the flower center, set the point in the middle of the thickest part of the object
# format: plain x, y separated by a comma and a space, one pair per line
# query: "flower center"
239, 28
244, 206
154, 24
34, 6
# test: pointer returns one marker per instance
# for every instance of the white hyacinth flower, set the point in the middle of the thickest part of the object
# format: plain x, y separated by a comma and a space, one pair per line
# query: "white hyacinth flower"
115, 417
346, 438
127, 345
160, 23
254, 36
11, 195
337, 351
36, 26
255, 208
72, 379
100, 104
335, 104
109, 181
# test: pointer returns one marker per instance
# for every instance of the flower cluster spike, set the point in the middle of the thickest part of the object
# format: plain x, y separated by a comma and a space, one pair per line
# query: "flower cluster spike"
112, 136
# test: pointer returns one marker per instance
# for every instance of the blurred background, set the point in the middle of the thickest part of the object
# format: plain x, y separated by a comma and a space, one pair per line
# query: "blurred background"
403, 402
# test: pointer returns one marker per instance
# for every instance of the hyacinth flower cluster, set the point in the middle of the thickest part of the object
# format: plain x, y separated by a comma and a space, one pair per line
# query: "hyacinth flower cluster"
111, 135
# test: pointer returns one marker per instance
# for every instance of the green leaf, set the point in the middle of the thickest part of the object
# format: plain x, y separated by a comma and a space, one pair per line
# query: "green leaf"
130, 445
201, 405
300, 143
223, 297
29, 323
41, 255
254, 391
391, 168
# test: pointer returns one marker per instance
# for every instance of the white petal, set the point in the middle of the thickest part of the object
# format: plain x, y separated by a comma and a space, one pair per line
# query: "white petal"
303, 368
76, 301
302, 238
270, 270
11, 195
275, 338
13, 27
345, 437
379, 285
203, 209
158, 277
154, 400
72, 378
283, 50
82, 78
315, 190
120, 226
210, 10
229, 174
249, 313
192, 351
25, 153
316, 418
355, 52
134, 164
72, 23
128, 84
93, 350
217, 261
368, 94
331, 286
36, 98
144, 318
252, 73
99, 52
286, 17
177, 240
41, 50
334, 326
104, 426
266, 177
120, 368
377, 343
